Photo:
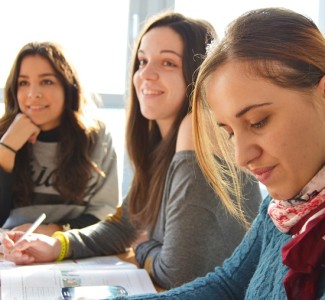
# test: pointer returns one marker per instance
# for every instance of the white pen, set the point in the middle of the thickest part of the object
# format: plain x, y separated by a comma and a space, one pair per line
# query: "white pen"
30, 230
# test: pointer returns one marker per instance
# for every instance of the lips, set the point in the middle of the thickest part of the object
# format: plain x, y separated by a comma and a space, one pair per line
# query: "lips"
262, 174
147, 91
36, 107
150, 92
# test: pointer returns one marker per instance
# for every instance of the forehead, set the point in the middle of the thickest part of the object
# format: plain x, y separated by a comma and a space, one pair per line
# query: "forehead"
232, 88
160, 39
224, 87
35, 63
230, 74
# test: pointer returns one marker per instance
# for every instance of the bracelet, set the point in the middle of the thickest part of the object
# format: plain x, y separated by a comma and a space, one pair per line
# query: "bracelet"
64, 241
8, 147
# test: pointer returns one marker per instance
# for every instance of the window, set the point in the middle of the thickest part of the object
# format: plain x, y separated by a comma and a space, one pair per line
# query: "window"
94, 34
220, 14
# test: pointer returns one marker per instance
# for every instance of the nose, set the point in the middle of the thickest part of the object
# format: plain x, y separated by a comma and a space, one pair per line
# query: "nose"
246, 150
34, 92
149, 72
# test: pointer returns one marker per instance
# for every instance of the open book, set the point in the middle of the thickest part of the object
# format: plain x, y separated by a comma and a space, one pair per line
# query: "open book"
45, 281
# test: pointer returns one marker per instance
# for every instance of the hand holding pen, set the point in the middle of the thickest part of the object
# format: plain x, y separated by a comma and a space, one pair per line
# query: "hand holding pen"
26, 248
30, 230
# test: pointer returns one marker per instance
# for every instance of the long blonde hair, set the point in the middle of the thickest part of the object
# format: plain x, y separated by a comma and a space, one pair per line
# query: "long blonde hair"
264, 39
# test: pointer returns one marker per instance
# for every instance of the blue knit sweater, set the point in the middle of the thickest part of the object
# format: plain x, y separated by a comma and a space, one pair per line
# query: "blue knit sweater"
254, 271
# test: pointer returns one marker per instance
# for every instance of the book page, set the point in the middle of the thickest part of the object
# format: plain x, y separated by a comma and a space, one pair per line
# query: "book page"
105, 262
100, 262
44, 281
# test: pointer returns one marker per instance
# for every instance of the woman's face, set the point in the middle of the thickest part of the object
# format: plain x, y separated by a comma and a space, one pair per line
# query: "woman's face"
40, 93
159, 81
278, 133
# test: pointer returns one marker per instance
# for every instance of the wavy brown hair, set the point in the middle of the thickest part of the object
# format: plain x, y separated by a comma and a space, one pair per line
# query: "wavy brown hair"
151, 155
276, 44
76, 139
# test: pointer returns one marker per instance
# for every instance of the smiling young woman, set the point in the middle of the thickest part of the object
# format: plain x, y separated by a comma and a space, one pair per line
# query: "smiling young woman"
54, 158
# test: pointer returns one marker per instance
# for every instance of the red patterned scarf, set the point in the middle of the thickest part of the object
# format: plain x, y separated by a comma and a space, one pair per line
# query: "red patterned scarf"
304, 218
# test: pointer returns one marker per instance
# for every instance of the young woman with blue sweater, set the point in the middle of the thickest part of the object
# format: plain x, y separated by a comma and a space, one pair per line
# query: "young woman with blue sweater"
263, 88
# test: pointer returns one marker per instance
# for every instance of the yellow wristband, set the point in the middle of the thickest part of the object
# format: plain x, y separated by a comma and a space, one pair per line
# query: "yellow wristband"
64, 241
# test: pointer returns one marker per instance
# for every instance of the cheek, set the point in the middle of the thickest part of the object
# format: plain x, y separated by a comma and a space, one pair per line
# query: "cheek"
20, 100
59, 101
178, 101
179, 89
288, 149
136, 80
61, 108
20, 96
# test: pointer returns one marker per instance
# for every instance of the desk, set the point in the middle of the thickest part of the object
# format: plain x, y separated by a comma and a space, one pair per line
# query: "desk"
129, 257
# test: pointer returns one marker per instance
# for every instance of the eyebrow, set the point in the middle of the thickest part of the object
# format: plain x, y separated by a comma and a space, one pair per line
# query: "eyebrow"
164, 51
247, 109
42, 75
250, 107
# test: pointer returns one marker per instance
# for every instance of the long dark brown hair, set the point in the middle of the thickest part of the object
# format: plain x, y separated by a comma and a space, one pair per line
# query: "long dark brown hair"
151, 155
276, 44
76, 139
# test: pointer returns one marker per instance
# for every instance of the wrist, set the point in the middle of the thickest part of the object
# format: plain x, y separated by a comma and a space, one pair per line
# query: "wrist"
8, 147
62, 246
7, 158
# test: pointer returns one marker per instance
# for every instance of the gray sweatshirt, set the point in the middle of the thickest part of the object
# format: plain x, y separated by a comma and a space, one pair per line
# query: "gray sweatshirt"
102, 195
193, 233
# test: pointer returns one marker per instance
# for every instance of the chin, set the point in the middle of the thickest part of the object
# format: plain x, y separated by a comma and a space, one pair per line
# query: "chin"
278, 195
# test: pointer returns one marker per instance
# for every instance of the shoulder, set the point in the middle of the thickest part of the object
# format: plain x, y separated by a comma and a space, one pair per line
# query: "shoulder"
101, 138
185, 135
99, 126
100, 130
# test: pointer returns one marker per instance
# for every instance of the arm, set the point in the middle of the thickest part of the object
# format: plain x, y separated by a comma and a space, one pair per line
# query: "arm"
197, 233
114, 235
228, 282
19, 132
104, 238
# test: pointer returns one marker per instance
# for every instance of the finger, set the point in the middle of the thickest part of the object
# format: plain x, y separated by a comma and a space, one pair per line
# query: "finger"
11, 242
19, 258
6, 240
23, 227
32, 139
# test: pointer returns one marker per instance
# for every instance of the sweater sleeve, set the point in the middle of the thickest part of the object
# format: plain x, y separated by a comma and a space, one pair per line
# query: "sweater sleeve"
103, 194
198, 232
6, 181
114, 235
229, 281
